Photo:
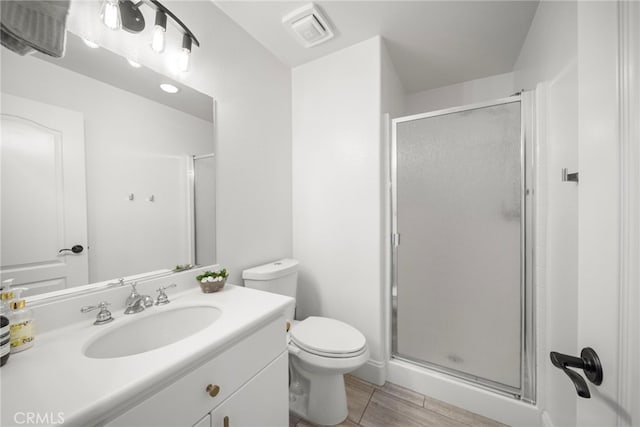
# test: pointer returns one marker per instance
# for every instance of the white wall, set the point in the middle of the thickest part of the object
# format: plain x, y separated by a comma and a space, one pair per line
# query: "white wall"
470, 92
133, 145
548, 63
252, 90
337, 204
393, 97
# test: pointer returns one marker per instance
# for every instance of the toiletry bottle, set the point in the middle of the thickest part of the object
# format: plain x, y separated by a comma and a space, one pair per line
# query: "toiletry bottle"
22, 324
5, 333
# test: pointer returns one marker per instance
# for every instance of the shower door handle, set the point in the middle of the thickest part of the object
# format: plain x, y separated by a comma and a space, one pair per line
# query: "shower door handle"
588, 361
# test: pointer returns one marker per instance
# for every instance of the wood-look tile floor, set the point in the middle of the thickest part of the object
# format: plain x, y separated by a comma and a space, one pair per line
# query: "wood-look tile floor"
394, 406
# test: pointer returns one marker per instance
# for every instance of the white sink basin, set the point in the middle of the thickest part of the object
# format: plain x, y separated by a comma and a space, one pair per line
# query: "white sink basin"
152, 331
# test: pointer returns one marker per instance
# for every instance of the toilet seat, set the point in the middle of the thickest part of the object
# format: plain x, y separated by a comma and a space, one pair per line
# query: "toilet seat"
328, 338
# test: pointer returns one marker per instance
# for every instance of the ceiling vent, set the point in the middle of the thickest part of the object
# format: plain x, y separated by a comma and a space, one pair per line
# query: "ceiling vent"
308, 26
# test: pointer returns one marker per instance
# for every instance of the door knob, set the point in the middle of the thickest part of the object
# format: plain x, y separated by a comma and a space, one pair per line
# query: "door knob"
76, 249
588, 361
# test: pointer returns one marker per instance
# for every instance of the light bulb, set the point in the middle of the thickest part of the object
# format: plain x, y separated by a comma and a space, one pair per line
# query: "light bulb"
111, 14
185, 54
183, 60
157, 40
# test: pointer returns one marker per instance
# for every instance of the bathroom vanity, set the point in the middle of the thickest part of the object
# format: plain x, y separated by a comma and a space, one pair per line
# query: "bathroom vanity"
231, 370
242, 386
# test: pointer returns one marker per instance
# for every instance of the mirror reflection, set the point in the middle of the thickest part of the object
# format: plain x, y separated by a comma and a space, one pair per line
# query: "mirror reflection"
103, 174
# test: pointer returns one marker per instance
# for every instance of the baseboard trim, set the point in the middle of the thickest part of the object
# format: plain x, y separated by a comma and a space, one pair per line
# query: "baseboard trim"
373, 371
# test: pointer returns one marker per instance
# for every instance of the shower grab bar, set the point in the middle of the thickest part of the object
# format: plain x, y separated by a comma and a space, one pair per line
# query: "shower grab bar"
588, 361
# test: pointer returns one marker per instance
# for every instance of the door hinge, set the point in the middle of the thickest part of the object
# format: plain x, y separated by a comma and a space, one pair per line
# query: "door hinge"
395, 239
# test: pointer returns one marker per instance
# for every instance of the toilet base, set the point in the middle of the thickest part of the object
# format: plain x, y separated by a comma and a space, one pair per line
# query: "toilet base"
323, 402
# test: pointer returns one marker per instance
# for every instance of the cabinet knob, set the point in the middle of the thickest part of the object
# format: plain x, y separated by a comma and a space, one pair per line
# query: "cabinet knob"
226, 421
213, 390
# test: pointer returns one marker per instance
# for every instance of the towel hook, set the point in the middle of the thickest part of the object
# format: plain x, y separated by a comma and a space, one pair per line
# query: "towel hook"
569, 177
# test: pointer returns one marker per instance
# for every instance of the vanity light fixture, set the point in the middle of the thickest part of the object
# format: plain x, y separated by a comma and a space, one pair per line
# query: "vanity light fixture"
126, 15
169, 88
159, 30
110, 14
185, 54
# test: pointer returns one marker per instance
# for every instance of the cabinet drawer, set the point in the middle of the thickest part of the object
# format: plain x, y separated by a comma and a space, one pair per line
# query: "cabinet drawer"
184, 402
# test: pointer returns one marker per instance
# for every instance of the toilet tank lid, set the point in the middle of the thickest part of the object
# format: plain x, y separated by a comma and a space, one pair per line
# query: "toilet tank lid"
273, 270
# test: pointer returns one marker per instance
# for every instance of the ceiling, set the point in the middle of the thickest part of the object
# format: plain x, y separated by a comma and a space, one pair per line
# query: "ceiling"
431, 43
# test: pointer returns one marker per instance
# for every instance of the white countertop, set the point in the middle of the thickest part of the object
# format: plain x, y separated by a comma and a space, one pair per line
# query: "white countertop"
54, 379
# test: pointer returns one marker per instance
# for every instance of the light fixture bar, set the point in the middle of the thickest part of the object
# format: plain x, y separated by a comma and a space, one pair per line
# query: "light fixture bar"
160, 7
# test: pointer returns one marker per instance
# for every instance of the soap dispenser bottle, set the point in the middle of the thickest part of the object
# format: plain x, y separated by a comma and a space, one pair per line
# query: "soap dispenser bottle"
22, 324
5, 333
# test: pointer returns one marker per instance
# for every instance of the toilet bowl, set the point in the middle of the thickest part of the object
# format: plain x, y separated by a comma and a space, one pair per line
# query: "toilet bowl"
321, 350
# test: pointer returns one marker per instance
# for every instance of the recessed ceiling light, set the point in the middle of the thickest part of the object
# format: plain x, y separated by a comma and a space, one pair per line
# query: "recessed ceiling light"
91, 44
169, 88
133, 63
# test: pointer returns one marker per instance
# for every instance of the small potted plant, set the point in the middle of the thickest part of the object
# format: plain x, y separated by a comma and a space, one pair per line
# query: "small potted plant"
212, 281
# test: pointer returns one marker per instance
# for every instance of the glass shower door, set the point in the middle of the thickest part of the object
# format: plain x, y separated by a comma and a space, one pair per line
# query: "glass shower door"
458, 267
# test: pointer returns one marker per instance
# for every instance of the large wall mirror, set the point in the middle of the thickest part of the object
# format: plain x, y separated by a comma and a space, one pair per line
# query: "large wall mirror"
103, 174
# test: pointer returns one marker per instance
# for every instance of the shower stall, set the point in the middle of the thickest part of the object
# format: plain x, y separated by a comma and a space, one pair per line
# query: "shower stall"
462, 278
203, 196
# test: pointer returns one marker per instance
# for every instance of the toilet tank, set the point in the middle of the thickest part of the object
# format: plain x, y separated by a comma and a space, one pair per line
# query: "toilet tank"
279, 277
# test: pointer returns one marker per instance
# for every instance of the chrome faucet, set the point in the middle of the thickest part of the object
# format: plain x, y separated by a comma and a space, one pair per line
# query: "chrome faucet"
162, 296
104, 315
135, 302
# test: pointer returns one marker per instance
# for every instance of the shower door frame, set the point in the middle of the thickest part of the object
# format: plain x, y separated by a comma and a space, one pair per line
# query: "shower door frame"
527, 390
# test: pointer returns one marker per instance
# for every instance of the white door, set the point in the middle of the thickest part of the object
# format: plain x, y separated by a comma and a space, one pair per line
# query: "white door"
608, 230
43, 190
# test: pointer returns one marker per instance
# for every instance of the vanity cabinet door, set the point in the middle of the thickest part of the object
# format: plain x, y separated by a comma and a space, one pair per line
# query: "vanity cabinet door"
260, 402
203, 388
204, 422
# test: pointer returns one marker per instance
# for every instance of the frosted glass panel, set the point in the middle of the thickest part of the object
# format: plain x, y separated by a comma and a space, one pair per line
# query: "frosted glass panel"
205, 210
458, 264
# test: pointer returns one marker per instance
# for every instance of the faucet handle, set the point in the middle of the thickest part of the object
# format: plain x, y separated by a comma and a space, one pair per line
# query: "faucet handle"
133, 295
104, 315
162, 296
120, 282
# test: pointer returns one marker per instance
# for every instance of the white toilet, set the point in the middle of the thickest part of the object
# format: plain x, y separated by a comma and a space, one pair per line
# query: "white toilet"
321, 350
